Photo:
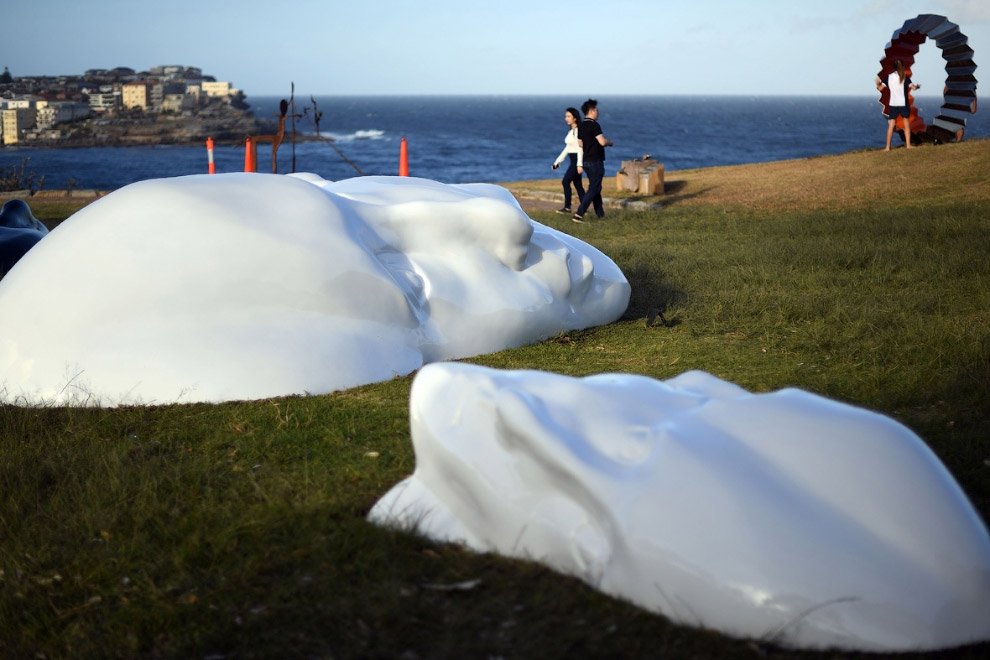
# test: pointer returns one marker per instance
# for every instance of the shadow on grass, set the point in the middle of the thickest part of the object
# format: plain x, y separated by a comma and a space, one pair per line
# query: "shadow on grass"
652, 297
672, 192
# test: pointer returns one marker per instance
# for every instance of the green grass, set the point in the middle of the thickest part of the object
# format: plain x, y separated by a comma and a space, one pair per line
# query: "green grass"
238, 530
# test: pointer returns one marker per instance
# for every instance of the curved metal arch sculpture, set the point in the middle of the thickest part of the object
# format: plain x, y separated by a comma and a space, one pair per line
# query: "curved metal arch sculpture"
959, 93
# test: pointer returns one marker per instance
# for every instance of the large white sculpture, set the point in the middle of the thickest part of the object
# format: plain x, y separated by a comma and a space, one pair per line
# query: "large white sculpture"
782, 516
245, 286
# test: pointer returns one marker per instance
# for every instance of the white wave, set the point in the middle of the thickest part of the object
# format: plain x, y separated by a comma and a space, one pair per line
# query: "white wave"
365, 134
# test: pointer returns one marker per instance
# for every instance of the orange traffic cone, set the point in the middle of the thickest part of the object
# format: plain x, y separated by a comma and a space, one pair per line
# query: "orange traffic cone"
403, 158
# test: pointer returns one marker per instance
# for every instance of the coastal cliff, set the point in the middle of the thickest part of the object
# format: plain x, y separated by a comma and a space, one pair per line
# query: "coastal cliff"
225, 124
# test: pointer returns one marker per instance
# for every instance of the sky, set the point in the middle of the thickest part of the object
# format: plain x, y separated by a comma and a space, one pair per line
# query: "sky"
574, 47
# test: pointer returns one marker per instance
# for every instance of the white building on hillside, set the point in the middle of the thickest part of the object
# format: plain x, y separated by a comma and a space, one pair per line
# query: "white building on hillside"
23, 102
100, 102
218, 89
61, 111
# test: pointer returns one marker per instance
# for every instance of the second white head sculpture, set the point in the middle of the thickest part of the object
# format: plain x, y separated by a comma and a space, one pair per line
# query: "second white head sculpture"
245, 286
783, 516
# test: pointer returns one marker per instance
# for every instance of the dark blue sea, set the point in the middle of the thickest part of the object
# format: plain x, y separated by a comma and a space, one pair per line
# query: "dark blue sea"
459, 139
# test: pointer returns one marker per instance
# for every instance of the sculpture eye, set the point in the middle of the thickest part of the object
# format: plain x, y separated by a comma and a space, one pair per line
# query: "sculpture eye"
413, 285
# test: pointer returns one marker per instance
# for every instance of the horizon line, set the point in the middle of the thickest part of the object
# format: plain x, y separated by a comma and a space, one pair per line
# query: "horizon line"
545, 95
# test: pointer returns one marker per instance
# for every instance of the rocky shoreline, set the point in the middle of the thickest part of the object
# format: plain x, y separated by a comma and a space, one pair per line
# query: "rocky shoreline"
227, 126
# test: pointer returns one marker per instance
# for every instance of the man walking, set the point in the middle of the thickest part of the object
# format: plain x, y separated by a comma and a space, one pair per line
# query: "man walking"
590, 138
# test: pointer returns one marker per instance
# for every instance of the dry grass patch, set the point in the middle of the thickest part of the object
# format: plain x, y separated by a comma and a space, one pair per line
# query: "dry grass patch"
52, 209
848, 181
952, 172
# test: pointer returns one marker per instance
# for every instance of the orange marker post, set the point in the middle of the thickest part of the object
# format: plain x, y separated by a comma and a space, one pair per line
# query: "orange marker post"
403, 158
209, 155
249, 165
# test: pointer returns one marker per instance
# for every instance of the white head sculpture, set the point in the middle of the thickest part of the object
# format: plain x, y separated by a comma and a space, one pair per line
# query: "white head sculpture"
783, 516
245, 286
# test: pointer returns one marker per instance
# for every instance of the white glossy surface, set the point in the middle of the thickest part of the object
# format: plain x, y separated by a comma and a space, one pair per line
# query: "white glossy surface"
783, 516
245, 286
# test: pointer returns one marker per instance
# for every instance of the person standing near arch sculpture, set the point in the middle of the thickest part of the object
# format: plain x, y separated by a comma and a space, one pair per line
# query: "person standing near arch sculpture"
899, 84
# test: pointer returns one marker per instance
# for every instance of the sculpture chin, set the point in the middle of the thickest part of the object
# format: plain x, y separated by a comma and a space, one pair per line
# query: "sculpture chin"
783, 516
246, 286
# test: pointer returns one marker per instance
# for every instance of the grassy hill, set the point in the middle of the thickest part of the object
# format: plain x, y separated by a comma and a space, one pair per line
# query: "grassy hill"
238, 531
848, 181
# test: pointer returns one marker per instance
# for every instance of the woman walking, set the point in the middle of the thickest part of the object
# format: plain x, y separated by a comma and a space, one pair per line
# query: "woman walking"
572, 150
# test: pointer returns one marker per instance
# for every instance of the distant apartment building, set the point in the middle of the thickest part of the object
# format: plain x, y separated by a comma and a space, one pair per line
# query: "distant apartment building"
101, 102
218, 89
194, 89
177, 103
16, 121
166, 70
157, 96
137, 95
23, 102
172, 71
59, 112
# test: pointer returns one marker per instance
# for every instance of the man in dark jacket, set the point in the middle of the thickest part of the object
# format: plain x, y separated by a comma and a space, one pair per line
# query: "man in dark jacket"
593, 142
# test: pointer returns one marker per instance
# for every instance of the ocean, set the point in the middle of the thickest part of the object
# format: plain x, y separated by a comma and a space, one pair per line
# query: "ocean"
461, 139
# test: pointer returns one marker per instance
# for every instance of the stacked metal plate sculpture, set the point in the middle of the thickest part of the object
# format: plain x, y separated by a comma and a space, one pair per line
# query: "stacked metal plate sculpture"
959, 92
